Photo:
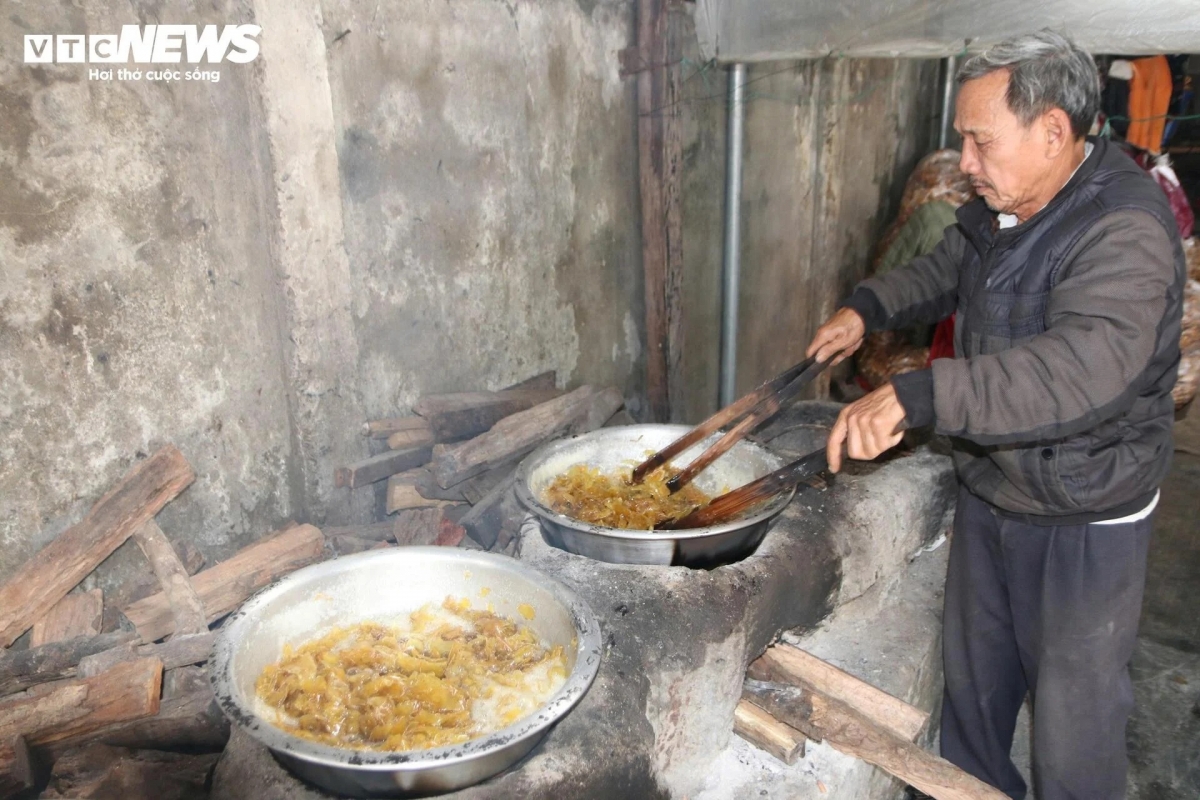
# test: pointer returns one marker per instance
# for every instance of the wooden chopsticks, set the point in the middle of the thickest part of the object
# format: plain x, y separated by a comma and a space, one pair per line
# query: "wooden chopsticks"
731, 505
762, 403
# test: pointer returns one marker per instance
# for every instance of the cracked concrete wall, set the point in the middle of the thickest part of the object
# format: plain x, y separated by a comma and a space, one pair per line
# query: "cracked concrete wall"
443, 198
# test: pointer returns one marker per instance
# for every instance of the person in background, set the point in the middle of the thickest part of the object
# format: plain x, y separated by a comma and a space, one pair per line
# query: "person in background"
1066, 274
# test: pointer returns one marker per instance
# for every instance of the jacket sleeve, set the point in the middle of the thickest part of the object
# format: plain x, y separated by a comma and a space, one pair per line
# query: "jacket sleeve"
1105, 317
923, 290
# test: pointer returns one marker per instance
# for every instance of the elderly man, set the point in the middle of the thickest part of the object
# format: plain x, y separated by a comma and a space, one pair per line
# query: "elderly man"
1067, 275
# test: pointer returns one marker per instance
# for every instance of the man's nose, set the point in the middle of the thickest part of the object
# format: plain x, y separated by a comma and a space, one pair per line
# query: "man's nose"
968, 162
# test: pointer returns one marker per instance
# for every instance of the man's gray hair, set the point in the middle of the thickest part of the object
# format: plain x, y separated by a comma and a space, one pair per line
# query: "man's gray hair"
1045, 70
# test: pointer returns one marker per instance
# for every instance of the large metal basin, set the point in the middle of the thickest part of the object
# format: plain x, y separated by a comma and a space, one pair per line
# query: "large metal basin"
614, 448
386, 585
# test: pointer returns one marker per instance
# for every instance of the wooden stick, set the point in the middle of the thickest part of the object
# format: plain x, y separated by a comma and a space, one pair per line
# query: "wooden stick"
376, 468
417, 526
824, 719
784, 663
518, 434
47, 577
402, 495
767, 408
461, 415
22, 669
384, 428
100, 772
767, 733
223, 588
172, 576
734, 504
403, 440
181, 651
127, 691
718, 420
77, 614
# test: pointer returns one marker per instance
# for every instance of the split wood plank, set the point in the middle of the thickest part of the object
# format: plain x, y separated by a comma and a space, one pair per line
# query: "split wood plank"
418, 526
402, 495
180, 651
402, 440
143, 584
384, 428
77, 614
224, 587
376, 468
56, 661
822, 718
461, 415
190, 720
787, 664
101, 772
767, 733
422, 480
185, 604
484, 520
58, 567
74, 708
583, 409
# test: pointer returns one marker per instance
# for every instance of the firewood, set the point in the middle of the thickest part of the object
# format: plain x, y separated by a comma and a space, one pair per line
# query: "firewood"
822, 718
402, 495
462, 415
101, 772
223, 588
450, 533
21, 669
47, 577
143, 584
484, 520
180, 651
384, 428
401, 440
347, 544
767, 733
418, 526
787, 664
476, 488
75, 708
543, 380
375, 531
77, 614
376, 468
422, 480
582, 410
185, 604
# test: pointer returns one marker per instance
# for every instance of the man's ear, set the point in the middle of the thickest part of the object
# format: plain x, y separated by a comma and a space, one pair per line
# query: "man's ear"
1056, 128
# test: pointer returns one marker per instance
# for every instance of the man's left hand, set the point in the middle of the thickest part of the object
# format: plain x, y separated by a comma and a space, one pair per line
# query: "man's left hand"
868, 426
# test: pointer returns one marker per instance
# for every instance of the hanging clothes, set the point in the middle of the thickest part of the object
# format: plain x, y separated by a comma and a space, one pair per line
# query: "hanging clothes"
1149, 100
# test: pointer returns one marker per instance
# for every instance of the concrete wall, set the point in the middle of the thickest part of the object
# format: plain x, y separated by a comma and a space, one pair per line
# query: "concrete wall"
443, 198
828, 147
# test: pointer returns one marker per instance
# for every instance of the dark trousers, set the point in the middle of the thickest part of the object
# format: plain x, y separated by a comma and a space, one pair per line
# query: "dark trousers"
1052, 611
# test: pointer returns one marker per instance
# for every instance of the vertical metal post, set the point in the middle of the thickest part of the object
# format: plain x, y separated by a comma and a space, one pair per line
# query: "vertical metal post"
731, 261
947, 102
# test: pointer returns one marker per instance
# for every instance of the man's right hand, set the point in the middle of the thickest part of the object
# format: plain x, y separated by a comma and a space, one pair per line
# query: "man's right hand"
840, 336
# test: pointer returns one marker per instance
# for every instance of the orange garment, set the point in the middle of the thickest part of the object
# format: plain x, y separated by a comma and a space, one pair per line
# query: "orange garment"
1149, 99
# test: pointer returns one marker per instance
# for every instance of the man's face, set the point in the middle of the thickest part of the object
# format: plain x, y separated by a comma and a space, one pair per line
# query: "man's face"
1004, 159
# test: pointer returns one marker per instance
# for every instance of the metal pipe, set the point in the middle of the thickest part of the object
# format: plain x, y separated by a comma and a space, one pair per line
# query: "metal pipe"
731, 260
947, 102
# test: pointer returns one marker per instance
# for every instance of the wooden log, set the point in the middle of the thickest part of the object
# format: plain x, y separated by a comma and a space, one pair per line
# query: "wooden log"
581, 410
786, 664
822, 718
422, 480
462, 415
180, 651
403, 495
402, 440
450, 534
376, 468
143, 584
77, 614
767, 733
21, 669
101, 772
485, 519
185, 604
476, 488
383, 428
224, 587
74, 708
375, 531
418, 526
47, 577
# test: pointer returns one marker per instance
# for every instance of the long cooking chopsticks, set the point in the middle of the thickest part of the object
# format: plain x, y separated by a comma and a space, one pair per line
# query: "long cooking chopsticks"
718, 420
733, 504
